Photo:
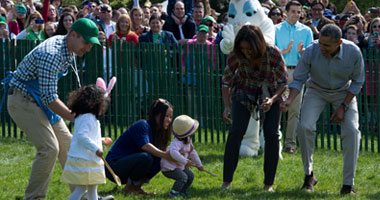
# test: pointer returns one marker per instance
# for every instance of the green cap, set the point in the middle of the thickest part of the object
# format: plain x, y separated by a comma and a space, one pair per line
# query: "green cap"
21, 9
3, 20
87, 29
208, 18
202, 27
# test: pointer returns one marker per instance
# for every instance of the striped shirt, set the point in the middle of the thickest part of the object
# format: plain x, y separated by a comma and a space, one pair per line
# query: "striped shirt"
44, 63
248, 85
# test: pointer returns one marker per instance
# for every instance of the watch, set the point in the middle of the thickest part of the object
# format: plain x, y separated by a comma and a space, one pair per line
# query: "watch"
345, 107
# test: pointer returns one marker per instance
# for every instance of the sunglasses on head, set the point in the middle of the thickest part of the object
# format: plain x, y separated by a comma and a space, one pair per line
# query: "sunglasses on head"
160, 101
276, 14
105, 9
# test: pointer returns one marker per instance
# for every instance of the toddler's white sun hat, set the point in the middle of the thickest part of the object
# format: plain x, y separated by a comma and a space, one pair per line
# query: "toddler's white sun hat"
184, 126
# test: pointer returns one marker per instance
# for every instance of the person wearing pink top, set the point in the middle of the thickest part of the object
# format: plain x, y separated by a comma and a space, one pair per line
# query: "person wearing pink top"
202, 38
181, 149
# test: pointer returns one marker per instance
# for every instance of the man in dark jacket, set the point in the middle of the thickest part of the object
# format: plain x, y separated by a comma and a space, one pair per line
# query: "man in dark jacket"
318, 20
183, 27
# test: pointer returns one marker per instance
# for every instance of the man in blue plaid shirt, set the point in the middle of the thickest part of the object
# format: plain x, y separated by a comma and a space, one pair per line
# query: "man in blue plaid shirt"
34, 105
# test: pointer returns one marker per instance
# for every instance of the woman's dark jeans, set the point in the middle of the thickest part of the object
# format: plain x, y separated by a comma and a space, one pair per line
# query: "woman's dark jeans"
136, 167
240, 120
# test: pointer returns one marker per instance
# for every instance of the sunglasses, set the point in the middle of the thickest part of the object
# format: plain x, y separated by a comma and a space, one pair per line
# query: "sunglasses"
208, 24
2, 14
374, 26
276, 14
105, 9
317, 9
302, 18
160, 101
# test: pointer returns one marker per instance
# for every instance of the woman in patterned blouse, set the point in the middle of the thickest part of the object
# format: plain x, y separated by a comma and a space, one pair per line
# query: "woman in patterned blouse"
254, 79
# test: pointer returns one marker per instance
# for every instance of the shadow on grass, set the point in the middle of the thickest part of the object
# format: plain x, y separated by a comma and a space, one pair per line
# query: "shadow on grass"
113, 191
258, 193
374, 196
11, 140
212, 158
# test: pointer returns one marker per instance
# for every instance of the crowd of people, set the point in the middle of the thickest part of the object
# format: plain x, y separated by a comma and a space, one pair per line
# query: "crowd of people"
39, 21
308, 34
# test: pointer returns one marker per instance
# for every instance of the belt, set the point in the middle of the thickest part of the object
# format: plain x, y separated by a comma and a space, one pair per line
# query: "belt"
13, 90
10, 90
291, 67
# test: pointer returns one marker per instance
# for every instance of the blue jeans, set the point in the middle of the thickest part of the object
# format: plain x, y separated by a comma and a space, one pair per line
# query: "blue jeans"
136, 168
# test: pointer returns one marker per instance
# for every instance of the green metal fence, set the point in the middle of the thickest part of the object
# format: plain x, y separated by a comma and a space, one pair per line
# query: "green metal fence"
189, 77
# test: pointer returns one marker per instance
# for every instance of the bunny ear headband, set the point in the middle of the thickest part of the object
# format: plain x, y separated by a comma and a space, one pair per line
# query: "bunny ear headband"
100, 82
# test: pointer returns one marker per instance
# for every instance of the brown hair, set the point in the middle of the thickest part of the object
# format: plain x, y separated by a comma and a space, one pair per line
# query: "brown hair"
361, 18
374, 20
35, 14
88, 99
131, 14
316, 2
161, 137
4, 11
123, 17
47, 24
254, 37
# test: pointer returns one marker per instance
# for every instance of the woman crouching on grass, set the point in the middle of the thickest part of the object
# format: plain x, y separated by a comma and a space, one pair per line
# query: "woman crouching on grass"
135, 157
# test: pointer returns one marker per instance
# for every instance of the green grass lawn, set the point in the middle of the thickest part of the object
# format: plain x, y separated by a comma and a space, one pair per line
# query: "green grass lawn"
17, 156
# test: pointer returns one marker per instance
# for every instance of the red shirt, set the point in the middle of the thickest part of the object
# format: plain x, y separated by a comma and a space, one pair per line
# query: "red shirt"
132, 37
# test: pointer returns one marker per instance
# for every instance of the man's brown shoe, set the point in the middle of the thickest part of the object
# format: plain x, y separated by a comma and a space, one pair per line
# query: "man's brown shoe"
309, 183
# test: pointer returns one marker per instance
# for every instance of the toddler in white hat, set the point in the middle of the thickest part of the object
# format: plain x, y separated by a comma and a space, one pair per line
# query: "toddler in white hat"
181, 149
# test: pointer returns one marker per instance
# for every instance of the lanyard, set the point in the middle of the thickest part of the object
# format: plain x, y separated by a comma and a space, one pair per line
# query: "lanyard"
75, 69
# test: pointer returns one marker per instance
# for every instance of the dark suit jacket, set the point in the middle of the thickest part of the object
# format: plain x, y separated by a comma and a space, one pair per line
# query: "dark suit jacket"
323, 22
188, 29
167, 37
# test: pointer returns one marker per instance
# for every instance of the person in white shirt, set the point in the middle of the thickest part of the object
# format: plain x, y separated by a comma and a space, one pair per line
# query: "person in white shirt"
84, 167
105, 22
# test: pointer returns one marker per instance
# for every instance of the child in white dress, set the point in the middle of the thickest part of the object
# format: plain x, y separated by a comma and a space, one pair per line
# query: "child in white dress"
84, 167
181, 148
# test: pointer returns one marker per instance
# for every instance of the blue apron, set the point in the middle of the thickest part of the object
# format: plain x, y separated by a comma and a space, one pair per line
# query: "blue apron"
33, 89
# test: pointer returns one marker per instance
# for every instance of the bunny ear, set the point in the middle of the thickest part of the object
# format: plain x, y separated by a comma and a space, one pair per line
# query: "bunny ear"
111, 84
100, 82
